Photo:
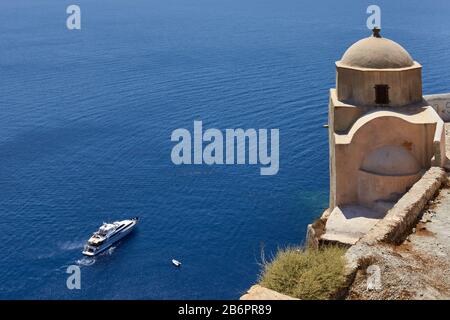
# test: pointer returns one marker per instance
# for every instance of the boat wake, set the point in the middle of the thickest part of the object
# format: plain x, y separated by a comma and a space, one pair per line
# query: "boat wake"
109, 251
71, 245
86, 261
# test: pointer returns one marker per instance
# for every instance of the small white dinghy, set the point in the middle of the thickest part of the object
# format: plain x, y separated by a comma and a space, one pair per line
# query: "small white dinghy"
176, 263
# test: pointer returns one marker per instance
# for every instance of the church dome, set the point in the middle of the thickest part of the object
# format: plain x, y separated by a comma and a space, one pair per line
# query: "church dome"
376, 52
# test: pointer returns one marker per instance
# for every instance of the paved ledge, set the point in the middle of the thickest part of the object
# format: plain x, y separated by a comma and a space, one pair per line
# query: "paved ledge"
347, 224
419, 268
391, 230
258, 292
398, 222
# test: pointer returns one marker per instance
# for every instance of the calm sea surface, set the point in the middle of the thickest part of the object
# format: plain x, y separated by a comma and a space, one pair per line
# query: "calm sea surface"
86, 118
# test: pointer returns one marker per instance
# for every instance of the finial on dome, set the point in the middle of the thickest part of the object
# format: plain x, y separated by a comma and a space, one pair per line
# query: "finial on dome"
376, 32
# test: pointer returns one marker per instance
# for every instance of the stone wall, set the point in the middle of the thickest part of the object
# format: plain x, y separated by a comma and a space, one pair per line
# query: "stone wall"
399, 221
401, 218
393, 228
413, 133
405, 84
440, 103
258, 292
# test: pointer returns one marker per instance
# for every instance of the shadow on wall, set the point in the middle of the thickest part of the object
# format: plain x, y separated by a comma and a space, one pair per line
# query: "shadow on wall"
385, 175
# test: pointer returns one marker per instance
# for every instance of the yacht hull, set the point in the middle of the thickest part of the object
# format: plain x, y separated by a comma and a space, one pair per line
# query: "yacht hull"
112, 240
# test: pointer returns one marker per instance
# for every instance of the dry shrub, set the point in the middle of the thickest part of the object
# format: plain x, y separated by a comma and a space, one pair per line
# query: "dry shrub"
306, 273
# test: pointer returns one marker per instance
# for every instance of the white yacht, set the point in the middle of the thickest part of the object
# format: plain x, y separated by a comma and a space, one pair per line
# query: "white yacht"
107, 235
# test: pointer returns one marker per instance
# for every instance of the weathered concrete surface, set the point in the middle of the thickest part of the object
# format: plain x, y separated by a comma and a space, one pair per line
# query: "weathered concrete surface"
369, 163
400, 219
417, 135
348, 224
404, 268
393, 228
447, 146
419, 268
440, 103
258, 292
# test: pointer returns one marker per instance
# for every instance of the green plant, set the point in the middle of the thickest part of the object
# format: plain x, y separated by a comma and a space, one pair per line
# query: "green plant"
306, 273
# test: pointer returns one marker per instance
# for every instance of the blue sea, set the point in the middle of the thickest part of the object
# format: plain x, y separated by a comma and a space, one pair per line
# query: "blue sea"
86, 118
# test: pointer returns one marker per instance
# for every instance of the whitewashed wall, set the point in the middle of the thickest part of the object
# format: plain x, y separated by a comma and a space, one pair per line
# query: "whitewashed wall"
440, 103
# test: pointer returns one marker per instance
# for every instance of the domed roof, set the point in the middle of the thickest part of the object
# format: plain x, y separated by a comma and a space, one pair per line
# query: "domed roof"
376, 52
391, 160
